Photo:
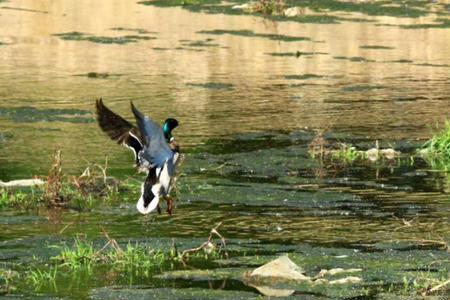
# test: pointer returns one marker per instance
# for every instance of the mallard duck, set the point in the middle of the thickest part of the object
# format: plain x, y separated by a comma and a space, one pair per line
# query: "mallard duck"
155, 152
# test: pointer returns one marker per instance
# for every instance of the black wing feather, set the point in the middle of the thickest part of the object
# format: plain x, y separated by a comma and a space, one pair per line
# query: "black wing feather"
118, 129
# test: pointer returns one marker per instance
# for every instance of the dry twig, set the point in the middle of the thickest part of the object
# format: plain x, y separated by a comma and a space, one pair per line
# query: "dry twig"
52, 195
207, 246
111, 242
438, 287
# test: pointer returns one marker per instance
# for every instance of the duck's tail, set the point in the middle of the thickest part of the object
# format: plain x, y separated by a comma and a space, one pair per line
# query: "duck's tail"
150, 193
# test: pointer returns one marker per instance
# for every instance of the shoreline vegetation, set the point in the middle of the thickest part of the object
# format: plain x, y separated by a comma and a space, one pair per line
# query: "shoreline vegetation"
83, 191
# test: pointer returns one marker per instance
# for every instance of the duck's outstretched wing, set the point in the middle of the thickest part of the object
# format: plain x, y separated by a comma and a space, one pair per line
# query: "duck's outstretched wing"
119, 129
156, 151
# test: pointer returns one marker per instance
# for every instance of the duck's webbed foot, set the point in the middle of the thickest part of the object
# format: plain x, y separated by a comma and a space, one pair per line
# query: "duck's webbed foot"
169, 204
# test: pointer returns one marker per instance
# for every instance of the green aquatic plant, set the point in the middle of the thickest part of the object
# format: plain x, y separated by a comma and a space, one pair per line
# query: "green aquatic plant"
354, 58
347, 153
212, 85
303, 76
206, 43
436, 151
433, 65
423, 283
137, 30
401, 61
250, 33
85, 258
269, 7
361, 88
189, 2
18, 198
296, 54
83, 192
371, 8
377, 47
4, 198
276, 9
28, 114
119, 40
438, 23
8, 280
81, 254
134, 260
97, 75
169, 3
38, 277
137, 260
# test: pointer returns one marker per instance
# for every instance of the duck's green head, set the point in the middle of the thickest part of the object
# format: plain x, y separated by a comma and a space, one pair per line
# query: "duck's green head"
169, 125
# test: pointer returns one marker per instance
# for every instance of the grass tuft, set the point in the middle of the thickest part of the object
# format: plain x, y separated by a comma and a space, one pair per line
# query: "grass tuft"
436, 151
7, 281
82, 254
39, 277
18, 198
135, 260
347, 153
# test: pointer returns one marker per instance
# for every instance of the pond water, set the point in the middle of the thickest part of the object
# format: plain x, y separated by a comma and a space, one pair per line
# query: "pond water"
251, 94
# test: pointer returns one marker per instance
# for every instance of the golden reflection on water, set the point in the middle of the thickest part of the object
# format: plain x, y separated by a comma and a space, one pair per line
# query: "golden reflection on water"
40, 69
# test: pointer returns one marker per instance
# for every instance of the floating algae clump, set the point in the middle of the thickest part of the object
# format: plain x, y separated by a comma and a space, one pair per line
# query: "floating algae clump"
120, 40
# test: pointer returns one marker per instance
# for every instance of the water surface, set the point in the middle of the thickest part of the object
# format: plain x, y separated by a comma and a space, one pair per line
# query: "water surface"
251, 95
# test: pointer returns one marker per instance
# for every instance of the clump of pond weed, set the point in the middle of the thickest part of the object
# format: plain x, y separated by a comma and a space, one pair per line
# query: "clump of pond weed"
425, 284
119, 40
81, 254
135, 259
212, 85
137, 30
376, 47
277, 9
375, 8
320, 148
303, 76
139, 260
354, 59
28, 114
96, 75
76, 192
169, 3
436, 151
347, 153
7, 281
39, 277
269, 7
132, 260
17, 198
250, 33
438, 23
